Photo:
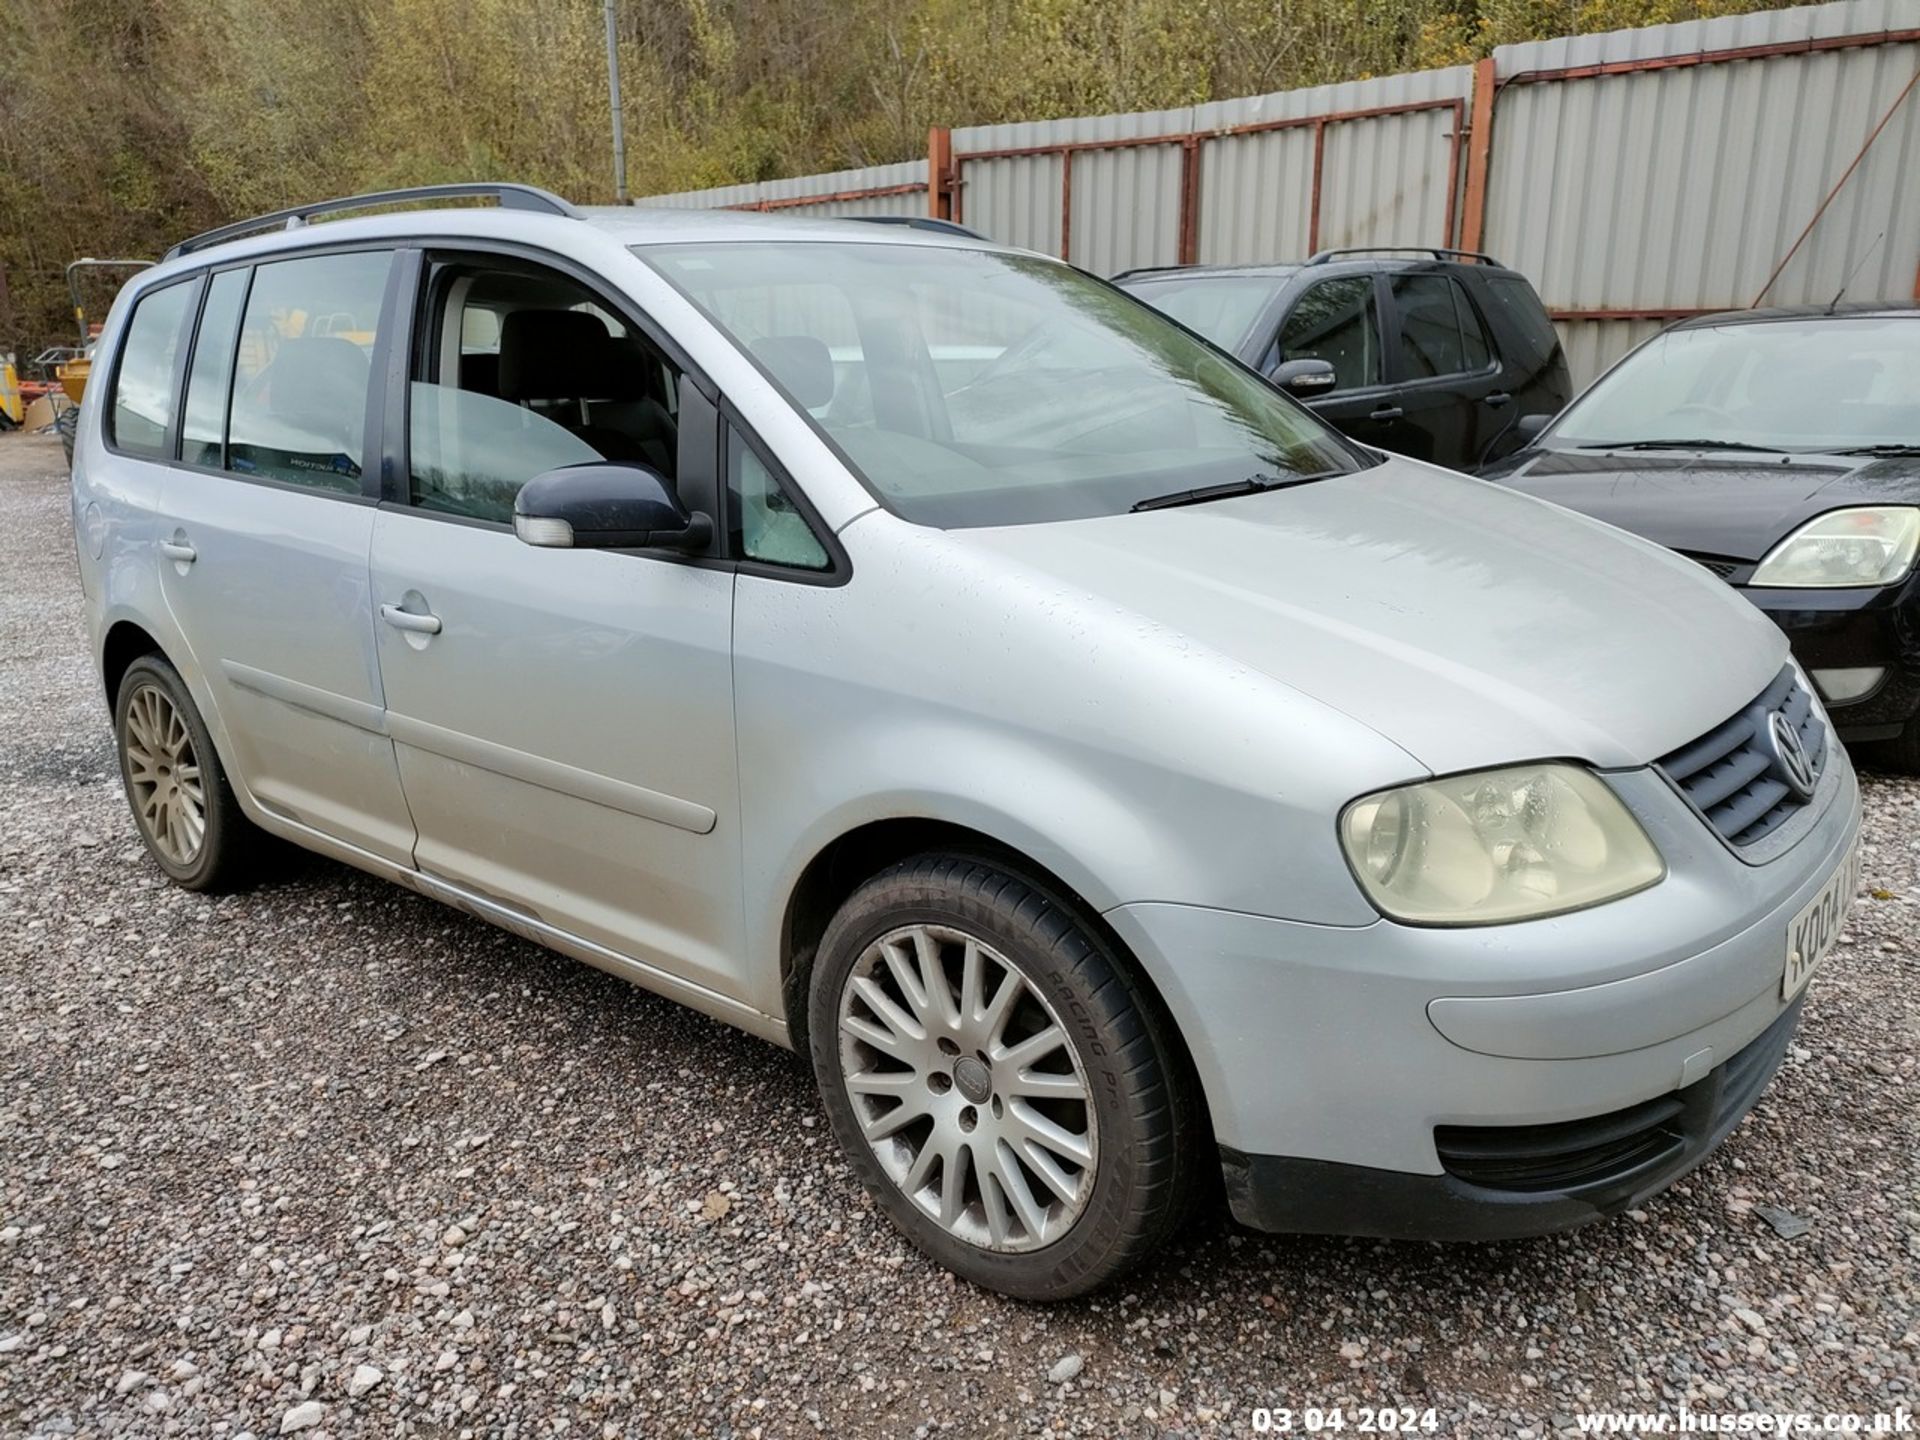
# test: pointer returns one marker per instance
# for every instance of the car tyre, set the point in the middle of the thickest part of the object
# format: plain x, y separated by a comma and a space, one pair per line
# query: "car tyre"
1054, 1134
183, 805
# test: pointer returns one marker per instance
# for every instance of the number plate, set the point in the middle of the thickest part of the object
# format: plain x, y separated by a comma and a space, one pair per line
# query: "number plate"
1815, 929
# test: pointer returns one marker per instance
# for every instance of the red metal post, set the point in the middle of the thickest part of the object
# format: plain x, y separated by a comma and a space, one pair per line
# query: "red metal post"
1313, 203
940, 172
1066, 204
1473, 229
1448, 229
1916, 285
1189, 249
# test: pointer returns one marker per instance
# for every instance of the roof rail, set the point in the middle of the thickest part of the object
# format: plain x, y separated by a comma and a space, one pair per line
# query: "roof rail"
511, 197
1439, 252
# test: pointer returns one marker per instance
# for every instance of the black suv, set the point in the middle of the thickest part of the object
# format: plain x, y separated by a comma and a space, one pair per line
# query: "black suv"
1432, 353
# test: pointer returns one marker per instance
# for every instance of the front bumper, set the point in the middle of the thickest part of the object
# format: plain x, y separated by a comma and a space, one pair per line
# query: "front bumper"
1537, 1178
1338, 1063
1849, 629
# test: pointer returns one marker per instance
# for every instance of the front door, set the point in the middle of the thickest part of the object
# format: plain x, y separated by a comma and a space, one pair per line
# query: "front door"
264, 537
563, 718
1338, 320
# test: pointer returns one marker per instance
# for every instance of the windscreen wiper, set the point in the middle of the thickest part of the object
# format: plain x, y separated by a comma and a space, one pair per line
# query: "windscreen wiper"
1680, 445
1252, 485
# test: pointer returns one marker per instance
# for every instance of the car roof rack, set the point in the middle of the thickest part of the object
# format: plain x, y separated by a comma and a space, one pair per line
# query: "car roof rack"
511, 197
1438, 252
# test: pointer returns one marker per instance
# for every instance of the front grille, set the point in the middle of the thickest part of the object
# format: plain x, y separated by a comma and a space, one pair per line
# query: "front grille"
1565, 1156
1723, 568
1610, 1159
1732, 776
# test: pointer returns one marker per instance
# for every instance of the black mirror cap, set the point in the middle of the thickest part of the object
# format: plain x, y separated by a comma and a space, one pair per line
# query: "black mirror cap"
1528, 427
1304, 376
606, 505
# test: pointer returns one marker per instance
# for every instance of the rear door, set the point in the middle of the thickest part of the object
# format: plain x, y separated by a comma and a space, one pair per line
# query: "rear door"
1445, 375
1337, 319
266, 522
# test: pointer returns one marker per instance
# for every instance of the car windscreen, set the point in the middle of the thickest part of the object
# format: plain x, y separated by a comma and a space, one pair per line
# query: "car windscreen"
972, 387
1221, 307
1822, 383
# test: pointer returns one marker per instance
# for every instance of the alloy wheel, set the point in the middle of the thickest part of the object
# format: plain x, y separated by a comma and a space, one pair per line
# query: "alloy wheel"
163, 776
967, 1089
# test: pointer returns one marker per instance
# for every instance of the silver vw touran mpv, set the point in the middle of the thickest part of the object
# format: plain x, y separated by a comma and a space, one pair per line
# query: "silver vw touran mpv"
922, 654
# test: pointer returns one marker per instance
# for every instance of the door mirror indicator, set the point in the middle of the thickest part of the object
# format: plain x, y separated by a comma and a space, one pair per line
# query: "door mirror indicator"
607, 505
1304, 377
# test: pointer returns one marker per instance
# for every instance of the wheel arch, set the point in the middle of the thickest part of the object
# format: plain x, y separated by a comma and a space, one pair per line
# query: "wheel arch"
124, 643
855, 856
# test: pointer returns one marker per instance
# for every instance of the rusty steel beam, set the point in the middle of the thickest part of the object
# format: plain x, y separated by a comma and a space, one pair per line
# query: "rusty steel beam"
1189, 242
1066, 205
1838, 185
1486, 89
1313, 199
940, 172
1715, 57
790, 202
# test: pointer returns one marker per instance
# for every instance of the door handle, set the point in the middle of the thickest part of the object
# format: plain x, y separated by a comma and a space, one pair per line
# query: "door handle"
1386, 412
179, 550
1498, 398
410, 620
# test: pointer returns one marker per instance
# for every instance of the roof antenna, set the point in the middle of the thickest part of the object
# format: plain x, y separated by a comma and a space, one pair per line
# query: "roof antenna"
1834, 304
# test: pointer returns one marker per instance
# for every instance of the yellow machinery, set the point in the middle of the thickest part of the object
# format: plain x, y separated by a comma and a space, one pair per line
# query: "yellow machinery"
72, 374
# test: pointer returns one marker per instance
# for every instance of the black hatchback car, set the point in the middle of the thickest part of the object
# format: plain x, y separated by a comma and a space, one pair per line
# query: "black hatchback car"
1781, 450
1432, 353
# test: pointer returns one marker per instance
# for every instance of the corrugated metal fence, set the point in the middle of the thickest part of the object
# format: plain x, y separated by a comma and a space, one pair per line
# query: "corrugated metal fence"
1636, 177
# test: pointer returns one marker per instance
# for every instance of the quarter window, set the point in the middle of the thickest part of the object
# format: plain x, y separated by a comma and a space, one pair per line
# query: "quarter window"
203, 426
1439, 332
304, 364
143, 385
767, 525
1337, 321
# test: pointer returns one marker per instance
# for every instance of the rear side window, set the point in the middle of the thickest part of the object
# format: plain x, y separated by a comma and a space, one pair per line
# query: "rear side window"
1439, 332
203, 428
302, 370
1337, 321
143, 384
1533, 334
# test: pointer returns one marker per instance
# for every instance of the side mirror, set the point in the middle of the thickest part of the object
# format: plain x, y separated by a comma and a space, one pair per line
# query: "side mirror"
606, 505
1528, 427
1304, 379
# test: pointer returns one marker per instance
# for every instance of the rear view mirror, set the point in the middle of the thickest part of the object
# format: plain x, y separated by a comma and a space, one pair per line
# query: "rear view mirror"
1304, 379
1528, 427
606, 505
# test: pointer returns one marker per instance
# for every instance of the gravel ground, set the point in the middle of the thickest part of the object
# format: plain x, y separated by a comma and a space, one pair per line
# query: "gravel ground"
330, 1155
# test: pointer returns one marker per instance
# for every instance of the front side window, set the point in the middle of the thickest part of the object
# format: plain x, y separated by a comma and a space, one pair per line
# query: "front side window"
995, 389
1821, 384
303, 366
143, 384
520, 370
1337, 321
1439, 332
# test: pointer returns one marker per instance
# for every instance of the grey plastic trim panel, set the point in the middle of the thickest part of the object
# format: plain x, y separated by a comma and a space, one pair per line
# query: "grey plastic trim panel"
552, 775
357, 713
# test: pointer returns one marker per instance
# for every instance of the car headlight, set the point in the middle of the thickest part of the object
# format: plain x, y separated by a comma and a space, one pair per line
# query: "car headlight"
1498, 845
1865, 545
